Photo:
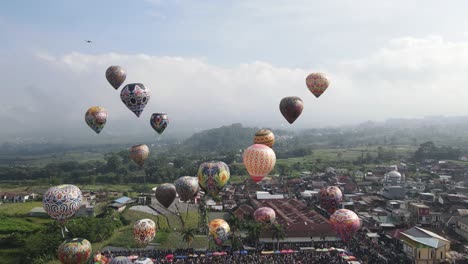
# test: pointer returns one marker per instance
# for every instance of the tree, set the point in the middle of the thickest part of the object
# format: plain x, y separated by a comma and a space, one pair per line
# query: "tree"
234, 224
188, 235
278, 233
254, 229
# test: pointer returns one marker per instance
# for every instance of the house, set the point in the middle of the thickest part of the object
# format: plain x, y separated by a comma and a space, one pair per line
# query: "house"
38, 212
423, 246
419, 213
358, 175
120, 204
244, 211
393, 192
85, 210
461, 227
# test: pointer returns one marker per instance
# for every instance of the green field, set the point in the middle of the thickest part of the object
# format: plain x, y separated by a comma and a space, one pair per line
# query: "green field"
18, 209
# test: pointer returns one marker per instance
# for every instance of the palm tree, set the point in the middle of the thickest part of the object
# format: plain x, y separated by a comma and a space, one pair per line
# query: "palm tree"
277, 233
254, 229
188, 235
234, 224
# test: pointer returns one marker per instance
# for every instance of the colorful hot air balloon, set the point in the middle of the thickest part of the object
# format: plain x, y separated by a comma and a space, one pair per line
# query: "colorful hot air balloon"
96, 118
345, 222
259, 160
120, 260
317, 83
212, 176
159, 122
186, 187
265, 137
166, 194
135, 96
330, 198
291, 108
61, 202
74, 251
115, 75
139, 154
144, 231
265, 215
219, 230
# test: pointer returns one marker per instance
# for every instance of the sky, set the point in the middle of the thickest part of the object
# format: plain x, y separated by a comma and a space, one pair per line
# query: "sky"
217, 62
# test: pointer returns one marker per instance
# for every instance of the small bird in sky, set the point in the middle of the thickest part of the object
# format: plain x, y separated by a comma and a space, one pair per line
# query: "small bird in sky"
88, 41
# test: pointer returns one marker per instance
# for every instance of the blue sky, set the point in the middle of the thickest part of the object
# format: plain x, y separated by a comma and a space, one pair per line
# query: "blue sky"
211, 63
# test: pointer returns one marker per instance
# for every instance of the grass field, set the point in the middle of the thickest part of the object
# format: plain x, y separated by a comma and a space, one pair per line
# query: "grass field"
18, 209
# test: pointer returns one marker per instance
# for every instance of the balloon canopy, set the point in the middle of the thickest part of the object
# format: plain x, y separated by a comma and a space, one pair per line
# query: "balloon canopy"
144, 231
212, 176
259, 160
116, 75
159, 122
74, 251
135, 96
330, 198
317, 83
291, 108
61, 202
186, 187
96, 118
166, 194
345, 223
265, 137
139, 154
265, 215
219, 230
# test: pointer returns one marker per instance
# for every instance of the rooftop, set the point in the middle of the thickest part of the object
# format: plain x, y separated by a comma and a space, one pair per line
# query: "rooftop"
424, 237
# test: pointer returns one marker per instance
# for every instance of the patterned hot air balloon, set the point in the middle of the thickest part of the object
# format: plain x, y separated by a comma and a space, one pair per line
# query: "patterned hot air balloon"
265, 137
212, 176
186, 187
115, 75
135, 96
74, 251
144, 231
61, 202
259, 160
346, 223
96, 118
291, 108
166, 194
219, 230
139, 154
330, 198
159, 122
120, 260
317, 83
265, 215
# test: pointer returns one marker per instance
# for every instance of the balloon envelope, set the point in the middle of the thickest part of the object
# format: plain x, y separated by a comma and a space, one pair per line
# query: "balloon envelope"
212, 176
61, 202
159, 122
96, 118
265, 137
259, 160
291, 108
345, 223
166, 194
330, 198
317, 83
74, 251
116, 75
265, 215
186, 187
219, 230
135, 96
139, 154
144, 231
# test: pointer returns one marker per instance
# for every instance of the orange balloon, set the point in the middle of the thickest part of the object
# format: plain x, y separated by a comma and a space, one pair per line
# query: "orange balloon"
265, 137
259, 160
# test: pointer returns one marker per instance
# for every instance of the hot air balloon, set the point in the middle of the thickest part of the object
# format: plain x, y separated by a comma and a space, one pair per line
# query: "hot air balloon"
144, 231
120, 260
219, 230
345, 222
186, 187
74, 251
212, 176
96, 118
330, 198
135, 96
291, 108
265, 137
159, 122
61, 202
166, 194
265, 215
139, 154
259, 160
317, 83
115, 75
